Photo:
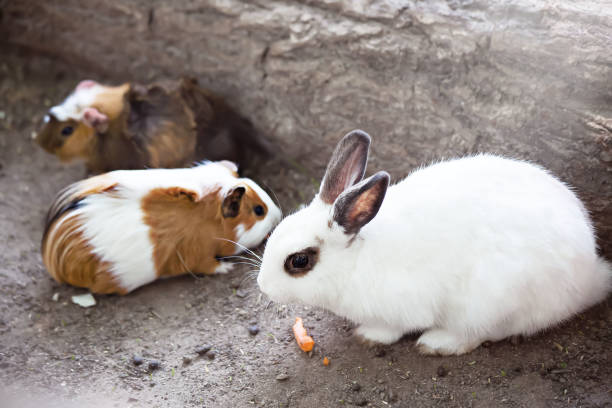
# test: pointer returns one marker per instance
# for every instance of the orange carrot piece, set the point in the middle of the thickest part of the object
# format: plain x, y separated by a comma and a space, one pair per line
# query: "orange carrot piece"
305, 342
325, 361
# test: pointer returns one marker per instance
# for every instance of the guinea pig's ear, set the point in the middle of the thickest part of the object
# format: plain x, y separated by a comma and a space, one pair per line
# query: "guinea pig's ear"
231, 203
355, 207
86, 83
346, 166
95, 119
233, 167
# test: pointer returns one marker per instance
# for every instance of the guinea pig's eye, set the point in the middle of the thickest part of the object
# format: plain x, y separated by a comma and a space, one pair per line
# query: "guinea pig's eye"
67, 131
299, 263
259, 210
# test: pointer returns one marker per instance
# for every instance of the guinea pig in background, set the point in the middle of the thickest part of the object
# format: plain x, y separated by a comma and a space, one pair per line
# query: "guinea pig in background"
167, 124
466, 250
117, 231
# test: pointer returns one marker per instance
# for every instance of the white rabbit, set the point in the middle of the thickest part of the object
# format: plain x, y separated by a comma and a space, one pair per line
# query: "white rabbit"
467, 250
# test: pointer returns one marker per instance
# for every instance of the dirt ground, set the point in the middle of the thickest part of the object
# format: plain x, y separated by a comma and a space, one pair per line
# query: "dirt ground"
55, 351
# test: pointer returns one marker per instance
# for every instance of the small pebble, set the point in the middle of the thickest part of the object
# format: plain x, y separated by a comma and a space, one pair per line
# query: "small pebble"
137, 360
253, 329
84, 300
186, 360
282, 377
355, 387
211, 355
201, 350
241, 293
154, 365
442, 371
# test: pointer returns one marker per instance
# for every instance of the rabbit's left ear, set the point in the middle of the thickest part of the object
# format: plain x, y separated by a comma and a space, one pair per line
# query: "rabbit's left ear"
358, 205
346, 166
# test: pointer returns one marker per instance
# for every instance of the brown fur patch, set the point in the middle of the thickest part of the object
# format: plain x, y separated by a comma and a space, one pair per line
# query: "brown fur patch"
69, 258
78, 144
185, 231
161, 122
111, 101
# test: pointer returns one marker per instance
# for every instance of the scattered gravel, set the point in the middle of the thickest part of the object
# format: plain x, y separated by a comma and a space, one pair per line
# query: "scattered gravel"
282, 377
201, 350
154, 365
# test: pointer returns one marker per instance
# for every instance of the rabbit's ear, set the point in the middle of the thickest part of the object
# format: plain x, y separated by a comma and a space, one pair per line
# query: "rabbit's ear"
358, 205
346, 166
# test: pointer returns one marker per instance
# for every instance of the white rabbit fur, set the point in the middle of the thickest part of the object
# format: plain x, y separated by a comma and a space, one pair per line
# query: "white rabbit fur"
467, 250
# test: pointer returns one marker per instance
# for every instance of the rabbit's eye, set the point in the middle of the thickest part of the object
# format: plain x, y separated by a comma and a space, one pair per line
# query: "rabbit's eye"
259, 210
299, 263
67, 131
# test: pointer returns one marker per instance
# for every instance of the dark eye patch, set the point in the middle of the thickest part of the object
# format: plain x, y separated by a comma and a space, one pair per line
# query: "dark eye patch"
259, 210
299, 263
67, 131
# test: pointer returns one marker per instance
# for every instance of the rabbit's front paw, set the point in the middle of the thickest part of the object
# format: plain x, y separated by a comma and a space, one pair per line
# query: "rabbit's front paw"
378, 334
444, 343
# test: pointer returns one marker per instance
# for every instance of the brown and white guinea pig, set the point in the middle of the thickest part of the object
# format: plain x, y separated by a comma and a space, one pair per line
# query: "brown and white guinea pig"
117, 231
167, 124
